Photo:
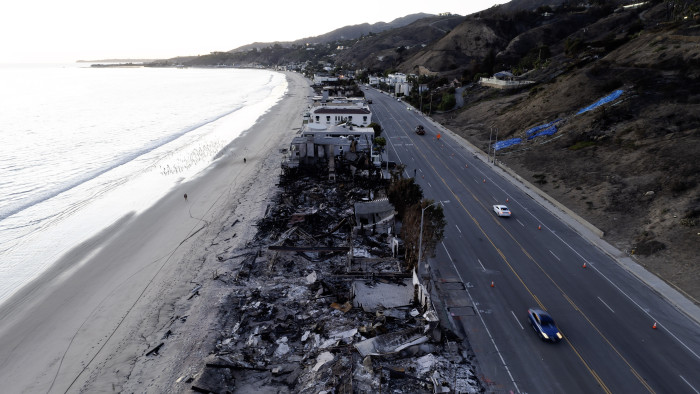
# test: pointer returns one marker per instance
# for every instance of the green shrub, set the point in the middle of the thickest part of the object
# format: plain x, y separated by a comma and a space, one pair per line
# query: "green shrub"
581, 145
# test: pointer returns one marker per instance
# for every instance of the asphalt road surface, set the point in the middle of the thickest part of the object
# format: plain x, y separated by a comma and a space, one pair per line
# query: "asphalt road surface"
620, 334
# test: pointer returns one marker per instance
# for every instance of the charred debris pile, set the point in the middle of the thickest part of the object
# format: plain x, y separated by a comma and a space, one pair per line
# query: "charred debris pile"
321, 302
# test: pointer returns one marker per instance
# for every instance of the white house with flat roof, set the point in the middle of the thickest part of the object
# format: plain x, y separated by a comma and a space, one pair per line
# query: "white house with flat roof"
320, 79
338, 113
396, 78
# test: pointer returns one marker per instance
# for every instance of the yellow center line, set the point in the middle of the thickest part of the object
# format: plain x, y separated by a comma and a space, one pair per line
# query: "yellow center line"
573, 304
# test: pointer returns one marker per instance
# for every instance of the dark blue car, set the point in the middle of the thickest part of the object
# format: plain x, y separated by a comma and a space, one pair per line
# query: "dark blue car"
544, 325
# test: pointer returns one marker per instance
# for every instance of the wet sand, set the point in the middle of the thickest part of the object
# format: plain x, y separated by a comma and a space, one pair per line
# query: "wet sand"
88, 324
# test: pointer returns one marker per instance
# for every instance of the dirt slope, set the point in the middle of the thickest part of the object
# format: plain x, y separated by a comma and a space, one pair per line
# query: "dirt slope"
630, 167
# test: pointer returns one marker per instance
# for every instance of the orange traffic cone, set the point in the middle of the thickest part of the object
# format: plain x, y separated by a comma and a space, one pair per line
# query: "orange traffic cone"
654, 326
484, 180
492, 286
506, 199
584, 265
539, 227
466, 166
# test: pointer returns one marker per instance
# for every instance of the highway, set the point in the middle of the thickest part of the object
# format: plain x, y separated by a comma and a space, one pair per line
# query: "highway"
490, 270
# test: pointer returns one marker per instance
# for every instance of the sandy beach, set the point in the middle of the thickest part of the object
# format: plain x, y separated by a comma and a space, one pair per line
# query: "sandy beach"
88, 323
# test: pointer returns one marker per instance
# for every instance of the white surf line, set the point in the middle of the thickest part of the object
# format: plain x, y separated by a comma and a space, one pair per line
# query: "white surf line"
517, 321
521, 223
503, 361
460, 231
482, 265
555, 256
691, 386
608, 306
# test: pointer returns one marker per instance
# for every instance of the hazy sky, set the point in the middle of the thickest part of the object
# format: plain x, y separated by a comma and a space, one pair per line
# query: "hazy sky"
69, 30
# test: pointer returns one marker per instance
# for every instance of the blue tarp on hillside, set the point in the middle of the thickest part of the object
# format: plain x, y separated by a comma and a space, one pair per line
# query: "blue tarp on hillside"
506, 143
612, 96
540, 127
548, 131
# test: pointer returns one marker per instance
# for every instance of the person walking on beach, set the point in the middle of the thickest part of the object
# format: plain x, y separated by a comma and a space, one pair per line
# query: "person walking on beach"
244, 160
185, 197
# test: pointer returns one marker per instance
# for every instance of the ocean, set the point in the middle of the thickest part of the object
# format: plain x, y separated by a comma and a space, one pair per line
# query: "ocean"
81, 147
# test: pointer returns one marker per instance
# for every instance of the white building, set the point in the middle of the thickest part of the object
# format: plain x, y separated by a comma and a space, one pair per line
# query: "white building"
396, 78
320, 144
321, 79
337, 113
402, 88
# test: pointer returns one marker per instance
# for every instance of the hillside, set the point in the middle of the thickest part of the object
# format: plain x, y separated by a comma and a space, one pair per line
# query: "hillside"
390, 48
629, 167
352, 32
406, 31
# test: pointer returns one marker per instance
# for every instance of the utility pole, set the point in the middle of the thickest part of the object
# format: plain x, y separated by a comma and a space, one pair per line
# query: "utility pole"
488, 151
421, 99
430, 107
420, 236
494, 148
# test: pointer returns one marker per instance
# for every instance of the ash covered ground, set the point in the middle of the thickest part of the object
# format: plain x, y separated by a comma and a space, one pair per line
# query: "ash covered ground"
318, 304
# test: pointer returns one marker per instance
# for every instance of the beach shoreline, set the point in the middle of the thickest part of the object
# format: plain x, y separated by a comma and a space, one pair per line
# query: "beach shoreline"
91, 323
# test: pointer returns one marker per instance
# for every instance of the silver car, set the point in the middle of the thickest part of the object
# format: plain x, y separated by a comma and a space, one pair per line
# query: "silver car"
501, 210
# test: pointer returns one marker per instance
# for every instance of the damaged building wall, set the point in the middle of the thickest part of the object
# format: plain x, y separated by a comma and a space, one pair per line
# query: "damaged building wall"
292, 322
320, 300
317, 143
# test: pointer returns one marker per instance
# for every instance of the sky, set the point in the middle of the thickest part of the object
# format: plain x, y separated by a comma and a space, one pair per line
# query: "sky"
70, 30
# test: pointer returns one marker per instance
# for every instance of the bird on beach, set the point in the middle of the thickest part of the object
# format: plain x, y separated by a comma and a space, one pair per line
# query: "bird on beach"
185, 197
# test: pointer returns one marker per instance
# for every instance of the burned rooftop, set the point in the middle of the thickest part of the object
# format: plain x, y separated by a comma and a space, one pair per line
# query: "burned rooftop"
323, 302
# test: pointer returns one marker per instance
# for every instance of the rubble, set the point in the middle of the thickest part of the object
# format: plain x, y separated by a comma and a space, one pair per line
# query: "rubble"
320, 301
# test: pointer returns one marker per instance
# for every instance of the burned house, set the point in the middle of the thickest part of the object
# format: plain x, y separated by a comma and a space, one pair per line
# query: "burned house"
376, 216
336, 94
321, 300
320, 144
315, 306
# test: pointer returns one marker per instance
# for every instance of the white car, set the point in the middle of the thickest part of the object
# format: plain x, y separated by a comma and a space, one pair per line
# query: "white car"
501, 210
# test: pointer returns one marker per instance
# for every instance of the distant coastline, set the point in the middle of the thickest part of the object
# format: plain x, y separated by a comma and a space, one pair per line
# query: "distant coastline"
117, 65
117, 61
